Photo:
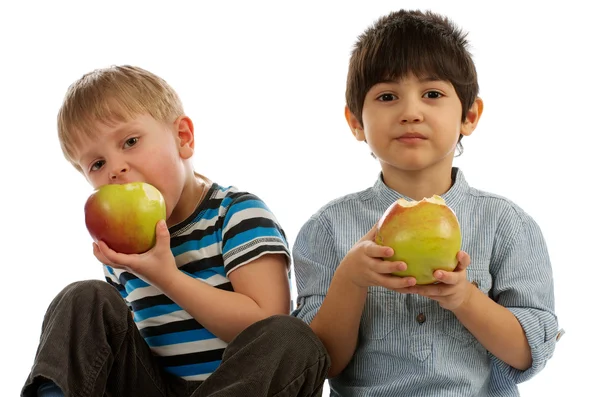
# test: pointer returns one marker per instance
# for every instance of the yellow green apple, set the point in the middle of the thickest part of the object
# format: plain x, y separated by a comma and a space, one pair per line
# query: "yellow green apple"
124, 216
424, 234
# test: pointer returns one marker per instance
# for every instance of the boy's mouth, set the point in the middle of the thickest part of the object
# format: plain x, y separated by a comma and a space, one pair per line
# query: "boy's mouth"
411, 137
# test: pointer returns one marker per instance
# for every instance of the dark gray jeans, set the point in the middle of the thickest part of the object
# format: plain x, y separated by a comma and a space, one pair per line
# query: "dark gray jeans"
90, 346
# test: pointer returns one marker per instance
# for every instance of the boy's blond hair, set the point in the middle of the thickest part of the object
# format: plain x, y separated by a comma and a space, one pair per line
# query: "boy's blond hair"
109, 95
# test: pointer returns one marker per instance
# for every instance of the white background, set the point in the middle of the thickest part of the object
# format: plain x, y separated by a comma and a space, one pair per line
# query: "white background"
264, 83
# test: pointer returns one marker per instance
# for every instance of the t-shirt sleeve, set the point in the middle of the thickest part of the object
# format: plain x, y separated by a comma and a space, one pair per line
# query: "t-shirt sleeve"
250, 230
315, 263
523, 284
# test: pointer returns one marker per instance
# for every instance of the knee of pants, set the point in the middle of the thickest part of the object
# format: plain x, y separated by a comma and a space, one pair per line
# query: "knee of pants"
89, 292
295, 334
82, 300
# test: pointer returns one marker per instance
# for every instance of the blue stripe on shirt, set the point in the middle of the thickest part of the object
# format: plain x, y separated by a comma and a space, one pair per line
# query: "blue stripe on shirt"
208, 273
133, 284
155, 311
244, 237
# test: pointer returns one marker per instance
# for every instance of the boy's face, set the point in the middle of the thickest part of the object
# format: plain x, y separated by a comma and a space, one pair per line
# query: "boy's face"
413, 124
139, 150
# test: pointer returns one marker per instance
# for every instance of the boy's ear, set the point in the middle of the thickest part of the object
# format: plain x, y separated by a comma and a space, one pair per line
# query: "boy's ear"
184, 129
354, 124
473, 116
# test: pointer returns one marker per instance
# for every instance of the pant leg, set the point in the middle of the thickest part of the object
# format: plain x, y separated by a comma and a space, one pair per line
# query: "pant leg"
277, 357
49, 390
91, 347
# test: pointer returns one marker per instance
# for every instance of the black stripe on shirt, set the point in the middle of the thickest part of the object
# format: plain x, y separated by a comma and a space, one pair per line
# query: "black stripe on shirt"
275, 249
169, 328
250, 224
158, 300
203, 264
191, 358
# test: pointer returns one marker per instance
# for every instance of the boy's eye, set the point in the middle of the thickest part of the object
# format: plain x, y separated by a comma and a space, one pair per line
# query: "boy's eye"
386, 97
97, 165
433, 95
131, 141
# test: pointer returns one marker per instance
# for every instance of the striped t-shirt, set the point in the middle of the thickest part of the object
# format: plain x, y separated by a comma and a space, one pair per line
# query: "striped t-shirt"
228, 229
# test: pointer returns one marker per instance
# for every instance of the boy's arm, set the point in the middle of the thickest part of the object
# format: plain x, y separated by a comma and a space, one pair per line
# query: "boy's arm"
331, 297
496, 328
256, 258
254, 253
517, 324
261, 290
523, 284
326, 300
338, 320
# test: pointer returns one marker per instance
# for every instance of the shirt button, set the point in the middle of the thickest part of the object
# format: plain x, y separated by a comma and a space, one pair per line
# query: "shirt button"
421, 318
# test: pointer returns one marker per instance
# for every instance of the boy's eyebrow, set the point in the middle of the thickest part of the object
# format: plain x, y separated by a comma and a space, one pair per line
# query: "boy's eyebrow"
119, 131
429, 79
84, 156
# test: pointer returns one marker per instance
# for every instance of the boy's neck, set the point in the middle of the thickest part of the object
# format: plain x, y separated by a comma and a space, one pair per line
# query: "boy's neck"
193, 193
419, 184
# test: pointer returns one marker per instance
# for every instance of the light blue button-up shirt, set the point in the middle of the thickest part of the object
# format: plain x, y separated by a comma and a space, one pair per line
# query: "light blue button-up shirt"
409, 345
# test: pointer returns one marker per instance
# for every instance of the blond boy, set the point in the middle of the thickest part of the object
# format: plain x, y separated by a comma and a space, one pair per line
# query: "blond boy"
204, 312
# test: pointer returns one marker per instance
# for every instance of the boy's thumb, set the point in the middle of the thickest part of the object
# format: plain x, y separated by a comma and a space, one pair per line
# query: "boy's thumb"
162, 232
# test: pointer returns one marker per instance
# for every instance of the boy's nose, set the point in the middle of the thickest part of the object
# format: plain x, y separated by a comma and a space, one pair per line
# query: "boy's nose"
411, 119
118, 174
411, 113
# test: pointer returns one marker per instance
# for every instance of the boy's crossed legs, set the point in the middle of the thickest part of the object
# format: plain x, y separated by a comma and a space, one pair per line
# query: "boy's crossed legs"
90, 346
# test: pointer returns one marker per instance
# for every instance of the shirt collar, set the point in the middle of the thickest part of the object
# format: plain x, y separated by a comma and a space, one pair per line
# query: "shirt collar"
451, 197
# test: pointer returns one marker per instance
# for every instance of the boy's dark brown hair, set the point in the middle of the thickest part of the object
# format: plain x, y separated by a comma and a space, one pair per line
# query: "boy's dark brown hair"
425, 44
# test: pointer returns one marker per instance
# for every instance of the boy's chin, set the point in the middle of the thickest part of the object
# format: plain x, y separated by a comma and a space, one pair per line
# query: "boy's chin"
412, 166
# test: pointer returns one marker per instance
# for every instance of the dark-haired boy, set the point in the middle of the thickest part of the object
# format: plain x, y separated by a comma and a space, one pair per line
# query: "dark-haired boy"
412, 96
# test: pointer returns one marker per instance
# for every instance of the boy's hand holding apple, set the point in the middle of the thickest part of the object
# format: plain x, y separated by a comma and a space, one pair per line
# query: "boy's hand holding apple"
127, 223
426, 236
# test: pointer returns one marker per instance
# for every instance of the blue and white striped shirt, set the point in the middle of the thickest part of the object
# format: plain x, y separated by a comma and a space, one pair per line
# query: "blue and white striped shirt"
410, 346
228, 229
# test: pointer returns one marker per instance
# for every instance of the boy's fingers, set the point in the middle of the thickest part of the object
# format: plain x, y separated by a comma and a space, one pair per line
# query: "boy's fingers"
387, 267
431, 290
99, 255
374, 250
102, 258
446, 277
450, 278
397, 283
115, 258
464, 260
370, 236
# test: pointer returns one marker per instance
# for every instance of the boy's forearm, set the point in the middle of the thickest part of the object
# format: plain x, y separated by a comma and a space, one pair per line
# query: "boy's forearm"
338, 321
496, 328
224, 313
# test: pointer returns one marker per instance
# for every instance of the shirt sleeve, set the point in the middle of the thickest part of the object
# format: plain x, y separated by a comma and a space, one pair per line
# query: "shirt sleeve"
250, 230
523, 284
314, 265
